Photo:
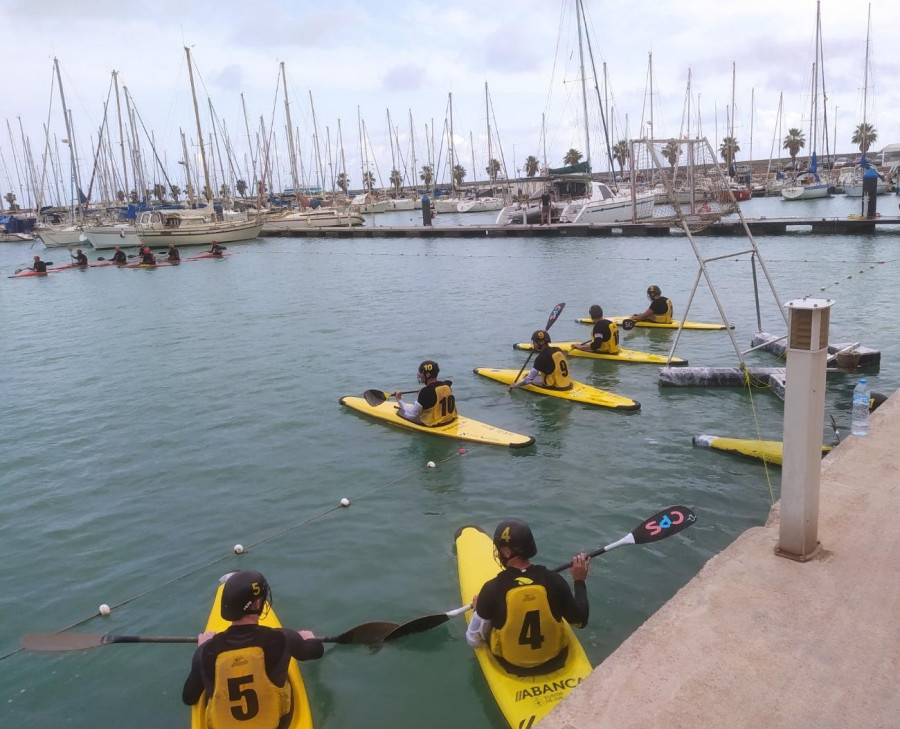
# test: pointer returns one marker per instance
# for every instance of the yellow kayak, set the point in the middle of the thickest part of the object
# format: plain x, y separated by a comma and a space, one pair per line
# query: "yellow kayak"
524, 700
461, 429
674, 324
301, 717
623, 355
769, 451
579, 392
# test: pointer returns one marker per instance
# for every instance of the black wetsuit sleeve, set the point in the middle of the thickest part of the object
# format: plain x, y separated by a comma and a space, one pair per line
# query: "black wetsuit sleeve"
302, 649
600, 335
193, 686
427, 397
544, 363
575, 608
659, 306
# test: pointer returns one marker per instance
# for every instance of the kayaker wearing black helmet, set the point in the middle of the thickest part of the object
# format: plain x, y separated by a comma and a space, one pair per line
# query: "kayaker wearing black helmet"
605, 336
660, 310
551, 368
257, 660
435, 403
519, 613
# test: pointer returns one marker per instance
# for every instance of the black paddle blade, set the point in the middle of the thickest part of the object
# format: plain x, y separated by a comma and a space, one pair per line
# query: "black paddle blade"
365, 634
554, 315
628, 324
664, 524
374, 397
419, 625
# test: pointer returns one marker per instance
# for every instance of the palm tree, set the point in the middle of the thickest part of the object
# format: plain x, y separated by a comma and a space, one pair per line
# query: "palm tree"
793, 143
573, 157
426, 175
10, 197
120, 195
176, 192
240, 186
459, 174
396, 180
492, 169
864, 136
368, 180
728, 149
671, 152
622, 154
224, 191
531, 165
343, 182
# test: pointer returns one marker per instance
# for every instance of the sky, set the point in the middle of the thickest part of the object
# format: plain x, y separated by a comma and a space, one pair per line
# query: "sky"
357, 62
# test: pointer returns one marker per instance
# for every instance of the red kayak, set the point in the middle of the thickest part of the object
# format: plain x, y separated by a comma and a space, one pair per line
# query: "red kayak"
28, 272
207, 255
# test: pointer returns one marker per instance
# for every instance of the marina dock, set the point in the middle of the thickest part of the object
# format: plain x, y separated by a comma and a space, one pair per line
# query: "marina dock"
729, 227
756, 640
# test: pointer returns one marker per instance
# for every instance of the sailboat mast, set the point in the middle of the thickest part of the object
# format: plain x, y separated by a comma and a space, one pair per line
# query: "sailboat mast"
207, 193
320, 177
412, 152
115, 75
71, 138
487, 111
865, 73
295, 182
452, 160
587, 136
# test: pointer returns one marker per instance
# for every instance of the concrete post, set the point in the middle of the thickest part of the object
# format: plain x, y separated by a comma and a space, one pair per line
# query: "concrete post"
804, 413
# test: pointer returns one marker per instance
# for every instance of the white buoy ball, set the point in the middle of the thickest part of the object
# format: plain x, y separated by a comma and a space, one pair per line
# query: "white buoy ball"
430, 464
104, 609
238, 548
345, 502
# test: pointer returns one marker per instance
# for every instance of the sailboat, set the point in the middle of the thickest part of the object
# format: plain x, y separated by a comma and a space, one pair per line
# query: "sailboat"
808, 185
853, 181
195, 227
576, 197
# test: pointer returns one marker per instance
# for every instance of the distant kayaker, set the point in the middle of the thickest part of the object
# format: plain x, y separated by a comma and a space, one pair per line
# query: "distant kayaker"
660, 310
79, 259
173, 254
435, 404
605, 336
519, 613
147, 257
244, 669
119, 257
216, 249
551, 368
38, 266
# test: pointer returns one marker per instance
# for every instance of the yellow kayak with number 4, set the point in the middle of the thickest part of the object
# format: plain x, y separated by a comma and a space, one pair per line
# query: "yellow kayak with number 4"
524, 700
579, 392
623, 355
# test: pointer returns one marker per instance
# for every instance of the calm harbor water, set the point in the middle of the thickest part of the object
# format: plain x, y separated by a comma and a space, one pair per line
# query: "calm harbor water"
153, 419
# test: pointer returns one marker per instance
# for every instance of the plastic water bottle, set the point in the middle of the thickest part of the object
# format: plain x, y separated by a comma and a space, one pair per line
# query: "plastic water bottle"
859, 420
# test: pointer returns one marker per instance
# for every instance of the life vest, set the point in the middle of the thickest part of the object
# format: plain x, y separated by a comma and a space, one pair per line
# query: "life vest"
611, 345
531, 636
663, 318
558, 379
244, 696
444, 409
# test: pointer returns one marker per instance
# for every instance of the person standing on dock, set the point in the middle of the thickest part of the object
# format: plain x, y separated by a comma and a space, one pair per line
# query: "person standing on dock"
545, 207
660, 309
519, 613
435, 403
551, 368
605, 336
119, 257
173, 254
244, 669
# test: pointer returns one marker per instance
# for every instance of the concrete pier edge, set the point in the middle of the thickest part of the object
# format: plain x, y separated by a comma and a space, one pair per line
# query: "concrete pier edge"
756, 640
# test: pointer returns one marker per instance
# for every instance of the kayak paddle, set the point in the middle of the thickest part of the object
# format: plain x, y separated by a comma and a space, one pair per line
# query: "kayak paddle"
376, 397
365, 634
554, 315
659, 526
